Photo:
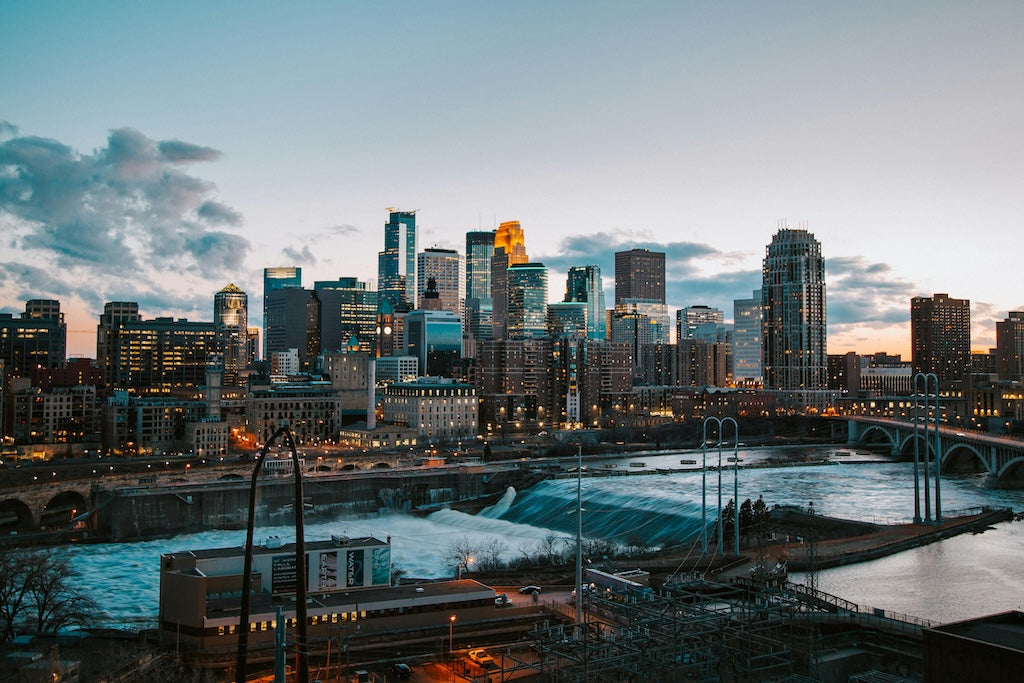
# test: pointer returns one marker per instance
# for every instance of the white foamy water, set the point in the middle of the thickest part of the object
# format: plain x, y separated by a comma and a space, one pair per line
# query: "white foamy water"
656, 509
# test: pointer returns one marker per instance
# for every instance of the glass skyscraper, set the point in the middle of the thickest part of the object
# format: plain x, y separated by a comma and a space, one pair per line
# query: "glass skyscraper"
527, 300
583, 285
396, 265
289, 277
231, 327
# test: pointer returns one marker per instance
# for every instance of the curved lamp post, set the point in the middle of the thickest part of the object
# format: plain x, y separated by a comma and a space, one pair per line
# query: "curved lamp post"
300, 565
721, 422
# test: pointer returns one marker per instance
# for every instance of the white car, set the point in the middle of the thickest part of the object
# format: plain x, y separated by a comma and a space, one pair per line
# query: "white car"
525, 590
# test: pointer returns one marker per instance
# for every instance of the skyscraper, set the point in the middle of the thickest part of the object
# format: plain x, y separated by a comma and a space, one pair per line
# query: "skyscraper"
639, 274
583, 285
230, 324
793, 327
940, 337
509, 250
349, 309
479, 310
527, 300
746, 340
289, 277
445, 267
1010, 346
510, 237
396, 265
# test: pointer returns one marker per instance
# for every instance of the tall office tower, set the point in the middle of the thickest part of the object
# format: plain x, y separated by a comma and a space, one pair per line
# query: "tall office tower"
746, 341
396, 265
940, 337
38, 338
231, 323
478, 316
285, 325
527, 300
289, 277
510, 237
314, 325
349, 309
639, 274
445, 267
1010, 346
583, 284
479, 249
114, 313
689, 319
793, 327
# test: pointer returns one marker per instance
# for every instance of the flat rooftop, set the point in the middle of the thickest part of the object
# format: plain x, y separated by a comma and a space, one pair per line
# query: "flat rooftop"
1005, 630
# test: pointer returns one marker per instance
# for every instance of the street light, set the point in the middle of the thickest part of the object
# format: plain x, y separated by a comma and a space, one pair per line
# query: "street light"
451, 631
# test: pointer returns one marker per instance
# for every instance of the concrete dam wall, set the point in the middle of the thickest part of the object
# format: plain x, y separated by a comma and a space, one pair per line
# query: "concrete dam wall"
131, 513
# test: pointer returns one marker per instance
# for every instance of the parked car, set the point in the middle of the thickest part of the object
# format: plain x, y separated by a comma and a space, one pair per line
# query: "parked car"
481, 657
401, 670
529, 589
500, 600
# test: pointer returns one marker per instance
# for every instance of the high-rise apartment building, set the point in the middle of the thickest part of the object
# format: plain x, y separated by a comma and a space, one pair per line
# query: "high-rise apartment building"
288, 277
639, 274
689, 319
231, 323
396, 265
444, 266
940, 337
793, 326
583, 285
37, 338
527, 300
746, 341
1010, 346
162, 353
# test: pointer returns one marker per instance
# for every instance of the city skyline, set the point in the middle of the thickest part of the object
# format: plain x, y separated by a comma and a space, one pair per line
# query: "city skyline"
887, 131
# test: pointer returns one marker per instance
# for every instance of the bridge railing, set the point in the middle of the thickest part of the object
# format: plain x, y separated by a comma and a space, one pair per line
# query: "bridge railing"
854, 608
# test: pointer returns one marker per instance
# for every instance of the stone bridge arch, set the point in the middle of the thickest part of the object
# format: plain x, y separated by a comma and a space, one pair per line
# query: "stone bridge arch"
62, 508
877, 435
1012, 471
15, 515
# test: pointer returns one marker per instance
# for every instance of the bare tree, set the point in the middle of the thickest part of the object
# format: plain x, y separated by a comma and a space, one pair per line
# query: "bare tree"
37, 592
461, 552
490, 554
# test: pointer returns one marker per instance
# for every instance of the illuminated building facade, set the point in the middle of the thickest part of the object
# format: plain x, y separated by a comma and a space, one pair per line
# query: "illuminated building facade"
527, 300
444, 267
746, 341
1010, 347
940, 337
479, 305
38, 338
439, 409
793, 323
231, 324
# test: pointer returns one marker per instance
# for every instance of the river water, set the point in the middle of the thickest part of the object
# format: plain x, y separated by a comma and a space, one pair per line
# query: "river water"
966, 576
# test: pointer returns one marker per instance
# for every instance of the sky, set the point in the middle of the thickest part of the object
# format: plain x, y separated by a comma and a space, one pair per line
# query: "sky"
155, 152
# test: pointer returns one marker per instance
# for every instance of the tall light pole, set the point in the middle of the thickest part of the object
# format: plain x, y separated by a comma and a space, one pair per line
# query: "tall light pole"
720, 422
451, 633
579, 539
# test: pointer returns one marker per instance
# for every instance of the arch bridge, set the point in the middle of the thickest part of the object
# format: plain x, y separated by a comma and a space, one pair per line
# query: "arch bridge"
960, 450
29, 508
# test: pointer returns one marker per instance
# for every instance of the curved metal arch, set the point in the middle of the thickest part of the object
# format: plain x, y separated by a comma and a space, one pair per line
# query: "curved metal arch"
893, 441
302, 638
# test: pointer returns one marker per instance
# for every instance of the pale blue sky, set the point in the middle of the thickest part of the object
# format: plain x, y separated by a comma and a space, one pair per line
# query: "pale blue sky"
892, 129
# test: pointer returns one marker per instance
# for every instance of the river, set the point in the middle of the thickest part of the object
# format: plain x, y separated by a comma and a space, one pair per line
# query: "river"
966, 576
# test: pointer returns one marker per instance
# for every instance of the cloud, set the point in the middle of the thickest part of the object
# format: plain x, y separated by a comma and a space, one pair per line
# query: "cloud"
304, 256
863, 293
7, 130
124, 210
343, 229
180, 152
